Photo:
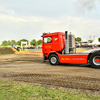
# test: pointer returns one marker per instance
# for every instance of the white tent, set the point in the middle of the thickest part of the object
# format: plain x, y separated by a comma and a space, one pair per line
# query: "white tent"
96, 42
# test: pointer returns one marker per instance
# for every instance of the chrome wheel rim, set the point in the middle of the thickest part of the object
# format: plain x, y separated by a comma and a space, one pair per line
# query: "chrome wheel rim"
53, 60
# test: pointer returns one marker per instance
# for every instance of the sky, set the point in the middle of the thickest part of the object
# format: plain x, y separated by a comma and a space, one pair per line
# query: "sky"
28, 19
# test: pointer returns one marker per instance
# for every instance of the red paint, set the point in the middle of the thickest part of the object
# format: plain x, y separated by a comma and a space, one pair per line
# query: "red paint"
75, 58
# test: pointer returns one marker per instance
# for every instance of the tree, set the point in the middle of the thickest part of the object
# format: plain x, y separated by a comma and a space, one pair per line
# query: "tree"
33, 42
19, 42
90, 41
4, 43
78, 39
8, 42
39, 42
99, 39
13, 42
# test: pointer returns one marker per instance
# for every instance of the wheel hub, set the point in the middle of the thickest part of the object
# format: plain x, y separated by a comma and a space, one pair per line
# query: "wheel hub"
96, 60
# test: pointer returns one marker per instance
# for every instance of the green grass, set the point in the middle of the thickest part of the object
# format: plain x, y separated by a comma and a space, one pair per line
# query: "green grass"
5, 46
31, 50
82, 49
19, 91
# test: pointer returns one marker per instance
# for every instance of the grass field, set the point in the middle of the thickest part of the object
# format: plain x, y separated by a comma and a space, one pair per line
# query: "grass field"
22, 91
82, 49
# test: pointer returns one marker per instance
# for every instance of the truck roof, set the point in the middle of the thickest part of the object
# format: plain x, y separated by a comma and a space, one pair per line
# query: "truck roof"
52, 34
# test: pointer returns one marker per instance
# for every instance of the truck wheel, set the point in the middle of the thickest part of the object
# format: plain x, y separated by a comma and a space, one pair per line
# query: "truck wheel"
95, 60
53, 59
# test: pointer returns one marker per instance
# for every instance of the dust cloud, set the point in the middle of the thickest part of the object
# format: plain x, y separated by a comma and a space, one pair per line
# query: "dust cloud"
85, 5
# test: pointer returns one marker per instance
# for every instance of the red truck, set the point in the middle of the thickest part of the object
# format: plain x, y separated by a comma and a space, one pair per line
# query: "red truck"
58, 48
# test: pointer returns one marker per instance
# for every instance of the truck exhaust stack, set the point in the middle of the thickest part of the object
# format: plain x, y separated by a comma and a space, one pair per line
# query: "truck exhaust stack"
66, 43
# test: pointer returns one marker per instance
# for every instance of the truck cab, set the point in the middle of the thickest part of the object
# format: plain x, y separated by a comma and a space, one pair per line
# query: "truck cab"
52, 43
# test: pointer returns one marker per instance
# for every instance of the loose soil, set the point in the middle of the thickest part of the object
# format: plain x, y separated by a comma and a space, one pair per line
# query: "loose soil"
7, 50
30, 68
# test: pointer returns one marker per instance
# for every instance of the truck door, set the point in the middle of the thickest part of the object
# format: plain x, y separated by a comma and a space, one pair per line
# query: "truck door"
47, 44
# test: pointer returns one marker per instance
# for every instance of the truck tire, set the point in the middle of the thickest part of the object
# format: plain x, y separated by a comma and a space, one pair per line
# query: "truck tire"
53, 59
95, 60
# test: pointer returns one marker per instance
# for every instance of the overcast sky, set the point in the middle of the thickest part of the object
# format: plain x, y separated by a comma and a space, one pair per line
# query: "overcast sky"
30, 18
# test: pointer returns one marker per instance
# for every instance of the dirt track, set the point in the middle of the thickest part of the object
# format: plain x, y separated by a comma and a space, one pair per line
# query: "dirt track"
31, 69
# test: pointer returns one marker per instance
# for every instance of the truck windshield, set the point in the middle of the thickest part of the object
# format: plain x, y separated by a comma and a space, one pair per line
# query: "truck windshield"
47, 40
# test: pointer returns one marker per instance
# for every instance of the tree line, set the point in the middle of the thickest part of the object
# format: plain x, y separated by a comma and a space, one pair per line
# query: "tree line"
78, 39
32, 42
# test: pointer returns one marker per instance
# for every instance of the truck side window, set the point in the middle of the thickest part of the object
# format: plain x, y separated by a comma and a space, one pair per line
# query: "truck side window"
47, 40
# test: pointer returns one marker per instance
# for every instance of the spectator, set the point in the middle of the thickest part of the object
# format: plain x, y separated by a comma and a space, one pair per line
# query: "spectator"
93, 47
